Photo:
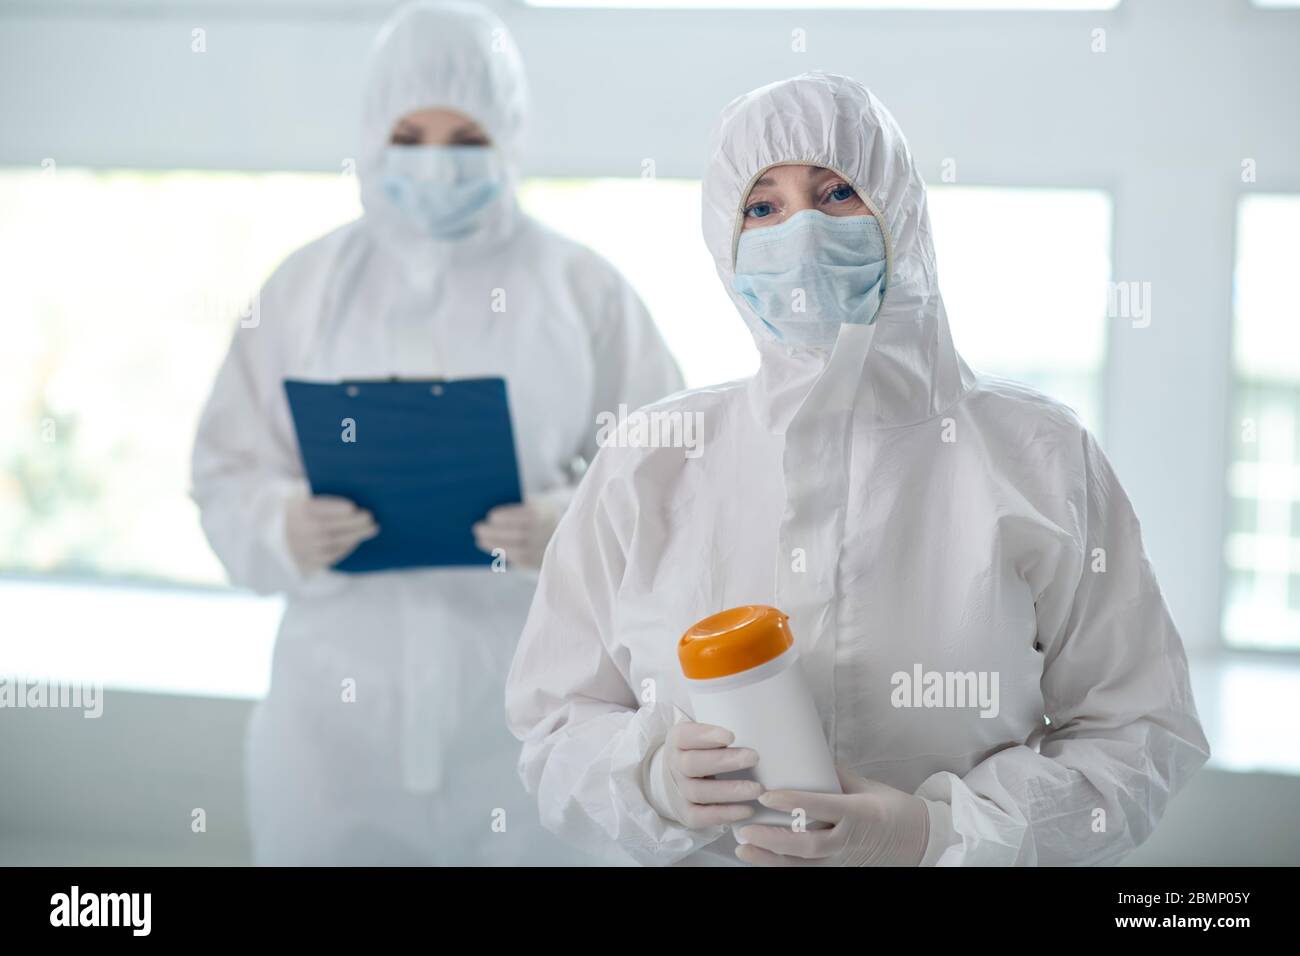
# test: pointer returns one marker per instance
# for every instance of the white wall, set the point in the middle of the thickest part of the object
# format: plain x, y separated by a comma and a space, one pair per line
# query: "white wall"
1163, 119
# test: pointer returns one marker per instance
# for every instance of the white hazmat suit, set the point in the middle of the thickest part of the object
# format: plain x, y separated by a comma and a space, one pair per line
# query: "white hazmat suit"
416, 768
913, 519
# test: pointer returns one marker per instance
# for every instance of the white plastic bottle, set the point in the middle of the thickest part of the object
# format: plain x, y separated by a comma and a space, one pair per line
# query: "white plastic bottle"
743, 673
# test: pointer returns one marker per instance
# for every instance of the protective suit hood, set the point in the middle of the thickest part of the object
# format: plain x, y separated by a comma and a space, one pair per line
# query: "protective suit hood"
911, 371
446, 55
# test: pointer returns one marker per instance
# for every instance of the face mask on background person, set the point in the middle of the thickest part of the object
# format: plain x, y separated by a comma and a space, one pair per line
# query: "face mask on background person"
445, 191
812, 273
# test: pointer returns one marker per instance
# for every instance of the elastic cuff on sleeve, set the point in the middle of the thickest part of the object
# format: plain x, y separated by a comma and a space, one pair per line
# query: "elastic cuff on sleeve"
656, 785
275, 537
942, 834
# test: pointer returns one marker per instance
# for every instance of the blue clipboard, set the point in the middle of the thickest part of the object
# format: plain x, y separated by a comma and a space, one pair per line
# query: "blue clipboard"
428, 458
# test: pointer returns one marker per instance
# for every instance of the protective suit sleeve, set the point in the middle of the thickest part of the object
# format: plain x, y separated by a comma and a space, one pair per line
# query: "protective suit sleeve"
1123, 735
633, 364
245, 464
588, 736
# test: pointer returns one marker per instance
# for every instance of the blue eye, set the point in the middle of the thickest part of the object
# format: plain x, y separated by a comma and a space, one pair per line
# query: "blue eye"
760, 210
840, 193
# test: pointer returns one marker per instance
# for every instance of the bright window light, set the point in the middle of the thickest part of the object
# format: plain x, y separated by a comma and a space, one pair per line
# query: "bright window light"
156, 640
128, 293
650, 230
1024, 276
1262, 603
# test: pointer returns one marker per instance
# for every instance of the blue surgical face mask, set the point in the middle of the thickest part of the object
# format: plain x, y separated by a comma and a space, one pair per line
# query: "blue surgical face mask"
445, 191
811, 274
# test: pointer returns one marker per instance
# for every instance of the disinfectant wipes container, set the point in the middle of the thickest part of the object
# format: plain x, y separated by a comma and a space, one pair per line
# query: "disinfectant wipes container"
744, 675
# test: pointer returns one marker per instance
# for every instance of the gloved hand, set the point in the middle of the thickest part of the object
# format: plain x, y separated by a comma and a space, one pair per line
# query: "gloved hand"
521, 531
323, 529
873, 825
678, 784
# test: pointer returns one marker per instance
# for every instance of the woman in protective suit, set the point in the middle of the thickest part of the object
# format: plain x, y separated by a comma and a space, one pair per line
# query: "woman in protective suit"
909, 516
382, 739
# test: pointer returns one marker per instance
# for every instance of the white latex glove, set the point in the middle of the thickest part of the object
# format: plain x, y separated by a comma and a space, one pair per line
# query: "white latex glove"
679, 784
521, 531
322, 530
873, 825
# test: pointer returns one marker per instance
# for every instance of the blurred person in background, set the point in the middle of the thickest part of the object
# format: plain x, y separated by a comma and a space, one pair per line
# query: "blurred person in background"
443, 276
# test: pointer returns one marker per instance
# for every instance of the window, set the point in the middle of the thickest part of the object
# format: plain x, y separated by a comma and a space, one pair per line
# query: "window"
1024, 276
650, 230
206, 643
120, 315
1262, 602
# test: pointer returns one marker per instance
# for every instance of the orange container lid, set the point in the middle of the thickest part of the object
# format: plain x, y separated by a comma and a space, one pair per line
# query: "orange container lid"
733, 641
